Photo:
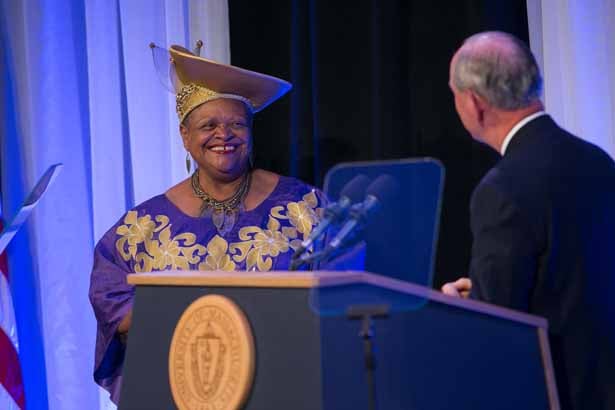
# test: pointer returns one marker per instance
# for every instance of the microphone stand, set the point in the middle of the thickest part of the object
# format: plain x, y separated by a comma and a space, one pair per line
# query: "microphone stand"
297, 261
365, 313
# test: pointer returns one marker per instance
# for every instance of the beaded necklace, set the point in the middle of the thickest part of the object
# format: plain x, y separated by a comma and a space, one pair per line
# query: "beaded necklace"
222, 213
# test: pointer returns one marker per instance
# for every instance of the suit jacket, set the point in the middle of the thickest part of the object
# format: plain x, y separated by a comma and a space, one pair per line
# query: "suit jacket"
543, 222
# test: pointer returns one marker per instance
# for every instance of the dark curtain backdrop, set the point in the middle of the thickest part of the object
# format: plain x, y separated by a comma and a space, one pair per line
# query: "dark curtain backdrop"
370, 82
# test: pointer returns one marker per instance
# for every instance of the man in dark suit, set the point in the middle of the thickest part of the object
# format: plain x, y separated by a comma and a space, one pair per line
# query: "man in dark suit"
543, 219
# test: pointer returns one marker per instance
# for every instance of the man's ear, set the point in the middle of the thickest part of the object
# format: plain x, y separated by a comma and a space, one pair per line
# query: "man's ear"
478, 106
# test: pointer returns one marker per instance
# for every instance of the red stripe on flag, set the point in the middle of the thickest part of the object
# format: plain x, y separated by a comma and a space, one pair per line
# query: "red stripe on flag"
10, 371
4, 266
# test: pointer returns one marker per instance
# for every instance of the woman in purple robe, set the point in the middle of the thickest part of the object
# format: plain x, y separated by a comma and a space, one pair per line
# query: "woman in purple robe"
225, 216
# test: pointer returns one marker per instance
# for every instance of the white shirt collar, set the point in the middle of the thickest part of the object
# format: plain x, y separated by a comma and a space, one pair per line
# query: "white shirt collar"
517, 127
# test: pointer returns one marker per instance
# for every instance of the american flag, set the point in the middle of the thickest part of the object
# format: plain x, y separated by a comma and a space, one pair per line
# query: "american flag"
11, 386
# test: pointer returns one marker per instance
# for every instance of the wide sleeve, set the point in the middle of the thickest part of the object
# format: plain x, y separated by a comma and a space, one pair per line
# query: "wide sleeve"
504, 250
111, 298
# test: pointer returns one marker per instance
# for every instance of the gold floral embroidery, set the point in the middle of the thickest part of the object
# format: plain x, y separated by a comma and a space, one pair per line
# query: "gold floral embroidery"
264, 244
162, 253
136, 231
302, 214
270, 243
217, 258
256, 246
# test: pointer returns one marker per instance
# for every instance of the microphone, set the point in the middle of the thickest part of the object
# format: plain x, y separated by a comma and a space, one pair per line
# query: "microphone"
379, 192
336, 211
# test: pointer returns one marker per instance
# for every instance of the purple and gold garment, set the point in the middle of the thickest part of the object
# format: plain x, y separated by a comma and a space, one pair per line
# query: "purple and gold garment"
156, 236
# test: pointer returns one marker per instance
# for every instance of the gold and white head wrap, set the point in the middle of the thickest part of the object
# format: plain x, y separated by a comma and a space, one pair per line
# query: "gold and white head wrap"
197, 80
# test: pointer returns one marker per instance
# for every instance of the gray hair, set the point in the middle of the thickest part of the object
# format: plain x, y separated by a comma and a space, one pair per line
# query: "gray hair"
507, 76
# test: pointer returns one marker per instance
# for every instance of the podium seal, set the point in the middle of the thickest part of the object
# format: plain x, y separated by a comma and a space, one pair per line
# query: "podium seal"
211, 360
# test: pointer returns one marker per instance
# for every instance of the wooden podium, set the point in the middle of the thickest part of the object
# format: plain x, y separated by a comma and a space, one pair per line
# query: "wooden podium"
431, 352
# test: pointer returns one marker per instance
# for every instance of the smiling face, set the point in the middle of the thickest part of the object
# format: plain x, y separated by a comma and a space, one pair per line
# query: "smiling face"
218, 135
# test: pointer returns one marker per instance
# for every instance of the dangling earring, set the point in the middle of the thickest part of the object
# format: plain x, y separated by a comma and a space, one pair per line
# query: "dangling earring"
188, 163
251, 160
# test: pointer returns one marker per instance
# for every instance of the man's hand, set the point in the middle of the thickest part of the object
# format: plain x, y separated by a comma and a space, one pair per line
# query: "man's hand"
460, 288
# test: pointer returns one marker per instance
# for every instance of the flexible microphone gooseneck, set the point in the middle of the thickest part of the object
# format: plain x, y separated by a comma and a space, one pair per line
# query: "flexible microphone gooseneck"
379, 192
353, 191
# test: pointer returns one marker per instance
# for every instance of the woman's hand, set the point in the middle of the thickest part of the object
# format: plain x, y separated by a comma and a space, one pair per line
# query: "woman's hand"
125, 323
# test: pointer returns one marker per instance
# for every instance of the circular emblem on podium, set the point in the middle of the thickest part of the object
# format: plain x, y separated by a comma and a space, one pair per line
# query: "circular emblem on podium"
211, 360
